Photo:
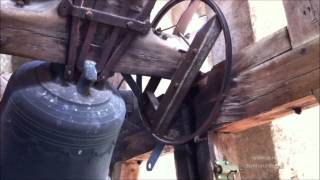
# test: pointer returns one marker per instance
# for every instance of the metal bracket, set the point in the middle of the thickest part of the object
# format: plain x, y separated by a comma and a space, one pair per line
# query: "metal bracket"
67, 8
124, 29
154, 156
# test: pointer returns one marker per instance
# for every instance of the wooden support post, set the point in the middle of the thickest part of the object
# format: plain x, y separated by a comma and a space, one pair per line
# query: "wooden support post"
205, 159
303, 20
185, 155
185, 161
205, 155
237, 14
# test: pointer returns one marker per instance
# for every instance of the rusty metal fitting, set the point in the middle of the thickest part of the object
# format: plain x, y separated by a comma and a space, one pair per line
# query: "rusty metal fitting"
89, 15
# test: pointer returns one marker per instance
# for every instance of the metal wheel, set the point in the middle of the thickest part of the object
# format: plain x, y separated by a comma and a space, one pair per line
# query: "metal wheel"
157, 113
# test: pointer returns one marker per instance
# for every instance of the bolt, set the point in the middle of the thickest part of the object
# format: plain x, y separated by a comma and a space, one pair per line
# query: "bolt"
89, 14
194, 50
158, 31
130, 24
69, 72
187, 36
199, 139
303, 51
164, 37
176, 84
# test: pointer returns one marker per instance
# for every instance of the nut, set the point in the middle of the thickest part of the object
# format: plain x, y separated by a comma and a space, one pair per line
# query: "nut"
89, 14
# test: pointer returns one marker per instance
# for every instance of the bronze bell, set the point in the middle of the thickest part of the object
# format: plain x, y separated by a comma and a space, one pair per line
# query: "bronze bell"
50, 131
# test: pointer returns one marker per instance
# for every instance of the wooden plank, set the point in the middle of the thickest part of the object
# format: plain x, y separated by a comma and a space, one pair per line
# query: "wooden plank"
264, 78
250, 57
273, 84
237, 14
303, 20
295, 72
275, 113
44, 35
258, 53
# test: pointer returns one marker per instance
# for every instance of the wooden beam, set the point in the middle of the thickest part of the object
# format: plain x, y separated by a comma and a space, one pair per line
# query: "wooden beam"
250, 57
284, 79
37, 31
238, 17
303, 20
275, 113
262, 85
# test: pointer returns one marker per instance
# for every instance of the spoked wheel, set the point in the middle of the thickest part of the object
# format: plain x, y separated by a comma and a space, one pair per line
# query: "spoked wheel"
157, 113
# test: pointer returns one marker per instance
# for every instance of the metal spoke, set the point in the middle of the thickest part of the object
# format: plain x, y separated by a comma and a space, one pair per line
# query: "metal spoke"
120, 83
165, 29
184, 39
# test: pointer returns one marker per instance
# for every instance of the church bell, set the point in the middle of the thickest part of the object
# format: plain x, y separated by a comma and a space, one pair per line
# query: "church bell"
50, 131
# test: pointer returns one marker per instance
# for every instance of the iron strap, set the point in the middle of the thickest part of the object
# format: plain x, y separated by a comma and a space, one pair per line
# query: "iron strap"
113, 45
68, 8
126, 41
